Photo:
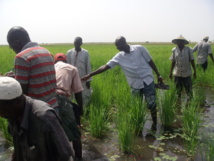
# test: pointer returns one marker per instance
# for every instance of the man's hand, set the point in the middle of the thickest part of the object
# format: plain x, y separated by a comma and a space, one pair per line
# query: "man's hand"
85, 78
160, 79
10, 74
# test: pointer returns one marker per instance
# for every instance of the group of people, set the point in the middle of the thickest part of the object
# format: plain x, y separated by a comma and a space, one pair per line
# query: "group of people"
42, 119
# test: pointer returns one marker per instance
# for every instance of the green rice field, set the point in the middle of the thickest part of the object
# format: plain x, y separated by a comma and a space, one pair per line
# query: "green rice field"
118, 125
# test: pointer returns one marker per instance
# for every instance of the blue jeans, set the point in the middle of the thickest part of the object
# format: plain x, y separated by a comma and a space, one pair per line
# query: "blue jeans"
150, 95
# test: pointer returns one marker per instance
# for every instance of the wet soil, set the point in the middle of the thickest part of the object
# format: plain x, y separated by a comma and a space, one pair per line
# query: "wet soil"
148, 146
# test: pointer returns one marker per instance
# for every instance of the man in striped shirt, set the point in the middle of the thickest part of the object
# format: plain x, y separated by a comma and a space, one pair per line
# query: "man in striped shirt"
34, 66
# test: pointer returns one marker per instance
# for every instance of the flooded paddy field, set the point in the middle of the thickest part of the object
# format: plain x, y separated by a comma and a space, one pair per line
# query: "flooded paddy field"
160, 145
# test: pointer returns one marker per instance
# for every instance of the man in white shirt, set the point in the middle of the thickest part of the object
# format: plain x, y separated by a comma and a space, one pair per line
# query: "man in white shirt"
204, 49
137, 65
80, 58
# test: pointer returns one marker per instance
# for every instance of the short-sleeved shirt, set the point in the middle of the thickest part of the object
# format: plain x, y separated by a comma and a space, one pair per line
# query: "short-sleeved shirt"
67, 78
135, 66
203, 48
34, 66
182, 61
81, 60
39, 136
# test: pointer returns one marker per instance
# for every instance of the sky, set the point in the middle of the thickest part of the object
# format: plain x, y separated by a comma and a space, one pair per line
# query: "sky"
60, 21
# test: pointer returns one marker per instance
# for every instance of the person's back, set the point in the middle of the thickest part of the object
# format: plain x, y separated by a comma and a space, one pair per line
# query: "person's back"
68, 82
203, 49
34, 66
35, 127
41, 136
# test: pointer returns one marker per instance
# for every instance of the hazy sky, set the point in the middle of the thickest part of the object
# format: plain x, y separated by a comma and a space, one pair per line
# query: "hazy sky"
60, 21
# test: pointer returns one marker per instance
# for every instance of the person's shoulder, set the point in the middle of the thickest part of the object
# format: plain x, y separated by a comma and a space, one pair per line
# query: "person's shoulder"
39, 108
85, 51
174, 48
70, 51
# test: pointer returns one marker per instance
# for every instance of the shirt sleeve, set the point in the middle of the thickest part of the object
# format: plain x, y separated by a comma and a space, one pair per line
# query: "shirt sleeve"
56, 137
114, 61
68, 57
22, 70
172, 57
195, 48
145, 54
88, 65
209, 49
76, 85
191, 57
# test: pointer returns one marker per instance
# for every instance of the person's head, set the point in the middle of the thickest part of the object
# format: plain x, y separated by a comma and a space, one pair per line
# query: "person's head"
77, 43
17, 38
180, 41
206, 38
12, 101
121, 44
60, 57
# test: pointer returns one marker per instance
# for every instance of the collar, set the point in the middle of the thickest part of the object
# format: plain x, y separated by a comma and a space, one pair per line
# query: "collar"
30, 45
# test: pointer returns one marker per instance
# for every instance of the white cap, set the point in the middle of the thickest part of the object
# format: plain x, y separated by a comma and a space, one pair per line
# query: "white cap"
10, 88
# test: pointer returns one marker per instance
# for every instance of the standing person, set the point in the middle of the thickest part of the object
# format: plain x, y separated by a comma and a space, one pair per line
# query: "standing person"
34, 66
68, 82
33, 124
204, 49
80, 58
182, 59
137, 65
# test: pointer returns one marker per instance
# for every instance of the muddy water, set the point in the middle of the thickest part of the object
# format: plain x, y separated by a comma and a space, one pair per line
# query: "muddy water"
148, 144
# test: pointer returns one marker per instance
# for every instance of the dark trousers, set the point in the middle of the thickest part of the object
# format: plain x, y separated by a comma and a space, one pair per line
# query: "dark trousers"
185, 82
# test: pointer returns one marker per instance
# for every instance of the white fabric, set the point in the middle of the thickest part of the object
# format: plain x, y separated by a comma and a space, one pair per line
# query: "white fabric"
10, 88
135, 66
203, 48
182, 61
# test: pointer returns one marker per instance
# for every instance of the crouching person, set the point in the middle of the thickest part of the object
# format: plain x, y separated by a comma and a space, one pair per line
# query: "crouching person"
33, 124
68, 82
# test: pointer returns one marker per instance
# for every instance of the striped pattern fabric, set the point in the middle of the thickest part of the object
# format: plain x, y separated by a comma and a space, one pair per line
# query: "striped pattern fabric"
35, 67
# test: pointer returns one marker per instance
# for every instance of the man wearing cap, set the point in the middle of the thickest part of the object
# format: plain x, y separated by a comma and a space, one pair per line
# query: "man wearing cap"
68, 82
34, 66
80, 58
137, 65
33, 124
204, 49
182, 59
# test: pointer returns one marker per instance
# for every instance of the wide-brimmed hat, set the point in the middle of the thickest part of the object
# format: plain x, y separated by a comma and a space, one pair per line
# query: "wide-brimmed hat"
180, 38
206, 38
10, 88
59, 57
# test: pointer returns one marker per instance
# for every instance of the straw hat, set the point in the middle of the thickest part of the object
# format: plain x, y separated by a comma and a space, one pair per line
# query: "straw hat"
59, 57
180, 38
206, 38
10, 88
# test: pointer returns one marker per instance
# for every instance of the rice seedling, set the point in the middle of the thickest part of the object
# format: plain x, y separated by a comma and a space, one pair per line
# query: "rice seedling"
191, 121
126, 128
167, 105
4, 130
98, 121
209, 148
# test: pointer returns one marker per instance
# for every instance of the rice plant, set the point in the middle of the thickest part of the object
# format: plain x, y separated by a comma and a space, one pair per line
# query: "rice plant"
4, 129
191, 121
167, 105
